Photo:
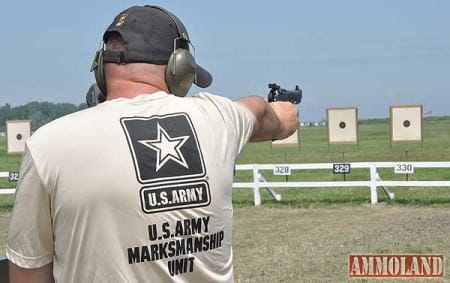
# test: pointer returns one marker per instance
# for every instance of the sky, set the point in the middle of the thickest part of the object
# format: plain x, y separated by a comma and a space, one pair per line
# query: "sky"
347, 53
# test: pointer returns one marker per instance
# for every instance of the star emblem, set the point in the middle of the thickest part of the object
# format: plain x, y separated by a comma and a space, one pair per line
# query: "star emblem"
167, 148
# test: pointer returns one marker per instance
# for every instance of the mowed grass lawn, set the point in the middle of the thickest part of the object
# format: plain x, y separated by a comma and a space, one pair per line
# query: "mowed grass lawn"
308, 236
312, 245
286, 244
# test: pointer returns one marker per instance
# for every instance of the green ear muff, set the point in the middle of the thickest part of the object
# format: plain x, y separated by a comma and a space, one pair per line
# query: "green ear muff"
181, 67
98, 68
180, 72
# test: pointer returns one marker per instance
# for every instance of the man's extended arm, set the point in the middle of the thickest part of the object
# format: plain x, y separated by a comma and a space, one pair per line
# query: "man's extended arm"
36, 275
276, 120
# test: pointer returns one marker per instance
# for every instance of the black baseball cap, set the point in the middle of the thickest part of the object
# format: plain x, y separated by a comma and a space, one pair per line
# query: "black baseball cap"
150, 34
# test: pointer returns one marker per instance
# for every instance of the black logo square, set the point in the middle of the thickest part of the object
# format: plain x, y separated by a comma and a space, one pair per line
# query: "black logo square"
164, 148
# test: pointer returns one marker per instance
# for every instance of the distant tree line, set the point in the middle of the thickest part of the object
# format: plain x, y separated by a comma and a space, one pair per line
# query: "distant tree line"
39, 113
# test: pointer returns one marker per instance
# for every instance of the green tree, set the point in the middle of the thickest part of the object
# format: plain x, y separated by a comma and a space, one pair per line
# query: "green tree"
39, 113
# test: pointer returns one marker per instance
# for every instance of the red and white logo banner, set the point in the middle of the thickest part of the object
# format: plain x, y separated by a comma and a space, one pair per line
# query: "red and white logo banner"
401, 265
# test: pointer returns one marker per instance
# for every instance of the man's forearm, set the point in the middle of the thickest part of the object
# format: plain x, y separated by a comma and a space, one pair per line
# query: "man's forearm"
276, 120
42, 274
267, 125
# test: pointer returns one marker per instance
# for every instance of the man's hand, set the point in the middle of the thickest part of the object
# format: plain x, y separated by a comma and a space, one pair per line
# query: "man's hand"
287, 114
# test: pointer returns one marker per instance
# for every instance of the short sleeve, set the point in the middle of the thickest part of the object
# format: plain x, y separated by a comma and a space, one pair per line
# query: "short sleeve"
30, 236
237, 116
244, 121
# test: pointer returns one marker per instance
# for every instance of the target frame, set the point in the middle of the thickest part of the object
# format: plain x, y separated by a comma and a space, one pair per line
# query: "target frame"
350, 115
17, 132
291, 141
410, 114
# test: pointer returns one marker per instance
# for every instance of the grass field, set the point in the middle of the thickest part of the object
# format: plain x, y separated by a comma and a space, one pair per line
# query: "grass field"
308, 236
312, 245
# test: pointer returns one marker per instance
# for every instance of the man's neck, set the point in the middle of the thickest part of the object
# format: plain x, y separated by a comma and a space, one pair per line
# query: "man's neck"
130, 89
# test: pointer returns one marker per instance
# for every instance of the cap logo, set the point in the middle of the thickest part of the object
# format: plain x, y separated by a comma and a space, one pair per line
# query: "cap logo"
121, 20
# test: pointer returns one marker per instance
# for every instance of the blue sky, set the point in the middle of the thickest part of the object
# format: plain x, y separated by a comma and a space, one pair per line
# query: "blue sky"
368, 54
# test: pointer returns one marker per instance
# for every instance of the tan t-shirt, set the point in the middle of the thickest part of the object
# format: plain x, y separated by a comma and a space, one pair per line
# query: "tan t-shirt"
132, 190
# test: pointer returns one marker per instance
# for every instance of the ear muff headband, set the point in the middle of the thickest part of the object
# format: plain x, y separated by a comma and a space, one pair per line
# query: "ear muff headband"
180, 69
181, 29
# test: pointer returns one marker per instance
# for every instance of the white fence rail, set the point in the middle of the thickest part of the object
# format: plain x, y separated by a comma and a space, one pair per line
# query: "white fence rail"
373, 182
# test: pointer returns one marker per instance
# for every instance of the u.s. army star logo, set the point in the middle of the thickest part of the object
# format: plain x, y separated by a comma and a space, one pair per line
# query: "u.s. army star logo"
167, 148
168, 162
164, 148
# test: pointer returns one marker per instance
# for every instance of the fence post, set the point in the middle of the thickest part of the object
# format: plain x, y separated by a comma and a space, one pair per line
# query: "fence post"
373, 184
256, 192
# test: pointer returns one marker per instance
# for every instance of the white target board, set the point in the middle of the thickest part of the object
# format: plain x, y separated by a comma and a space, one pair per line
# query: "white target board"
342, 125
290, 141
17, 132
406, 123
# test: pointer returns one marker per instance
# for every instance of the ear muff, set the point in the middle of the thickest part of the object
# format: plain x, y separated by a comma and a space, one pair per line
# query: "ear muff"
99, 73
181, 67
180, 72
